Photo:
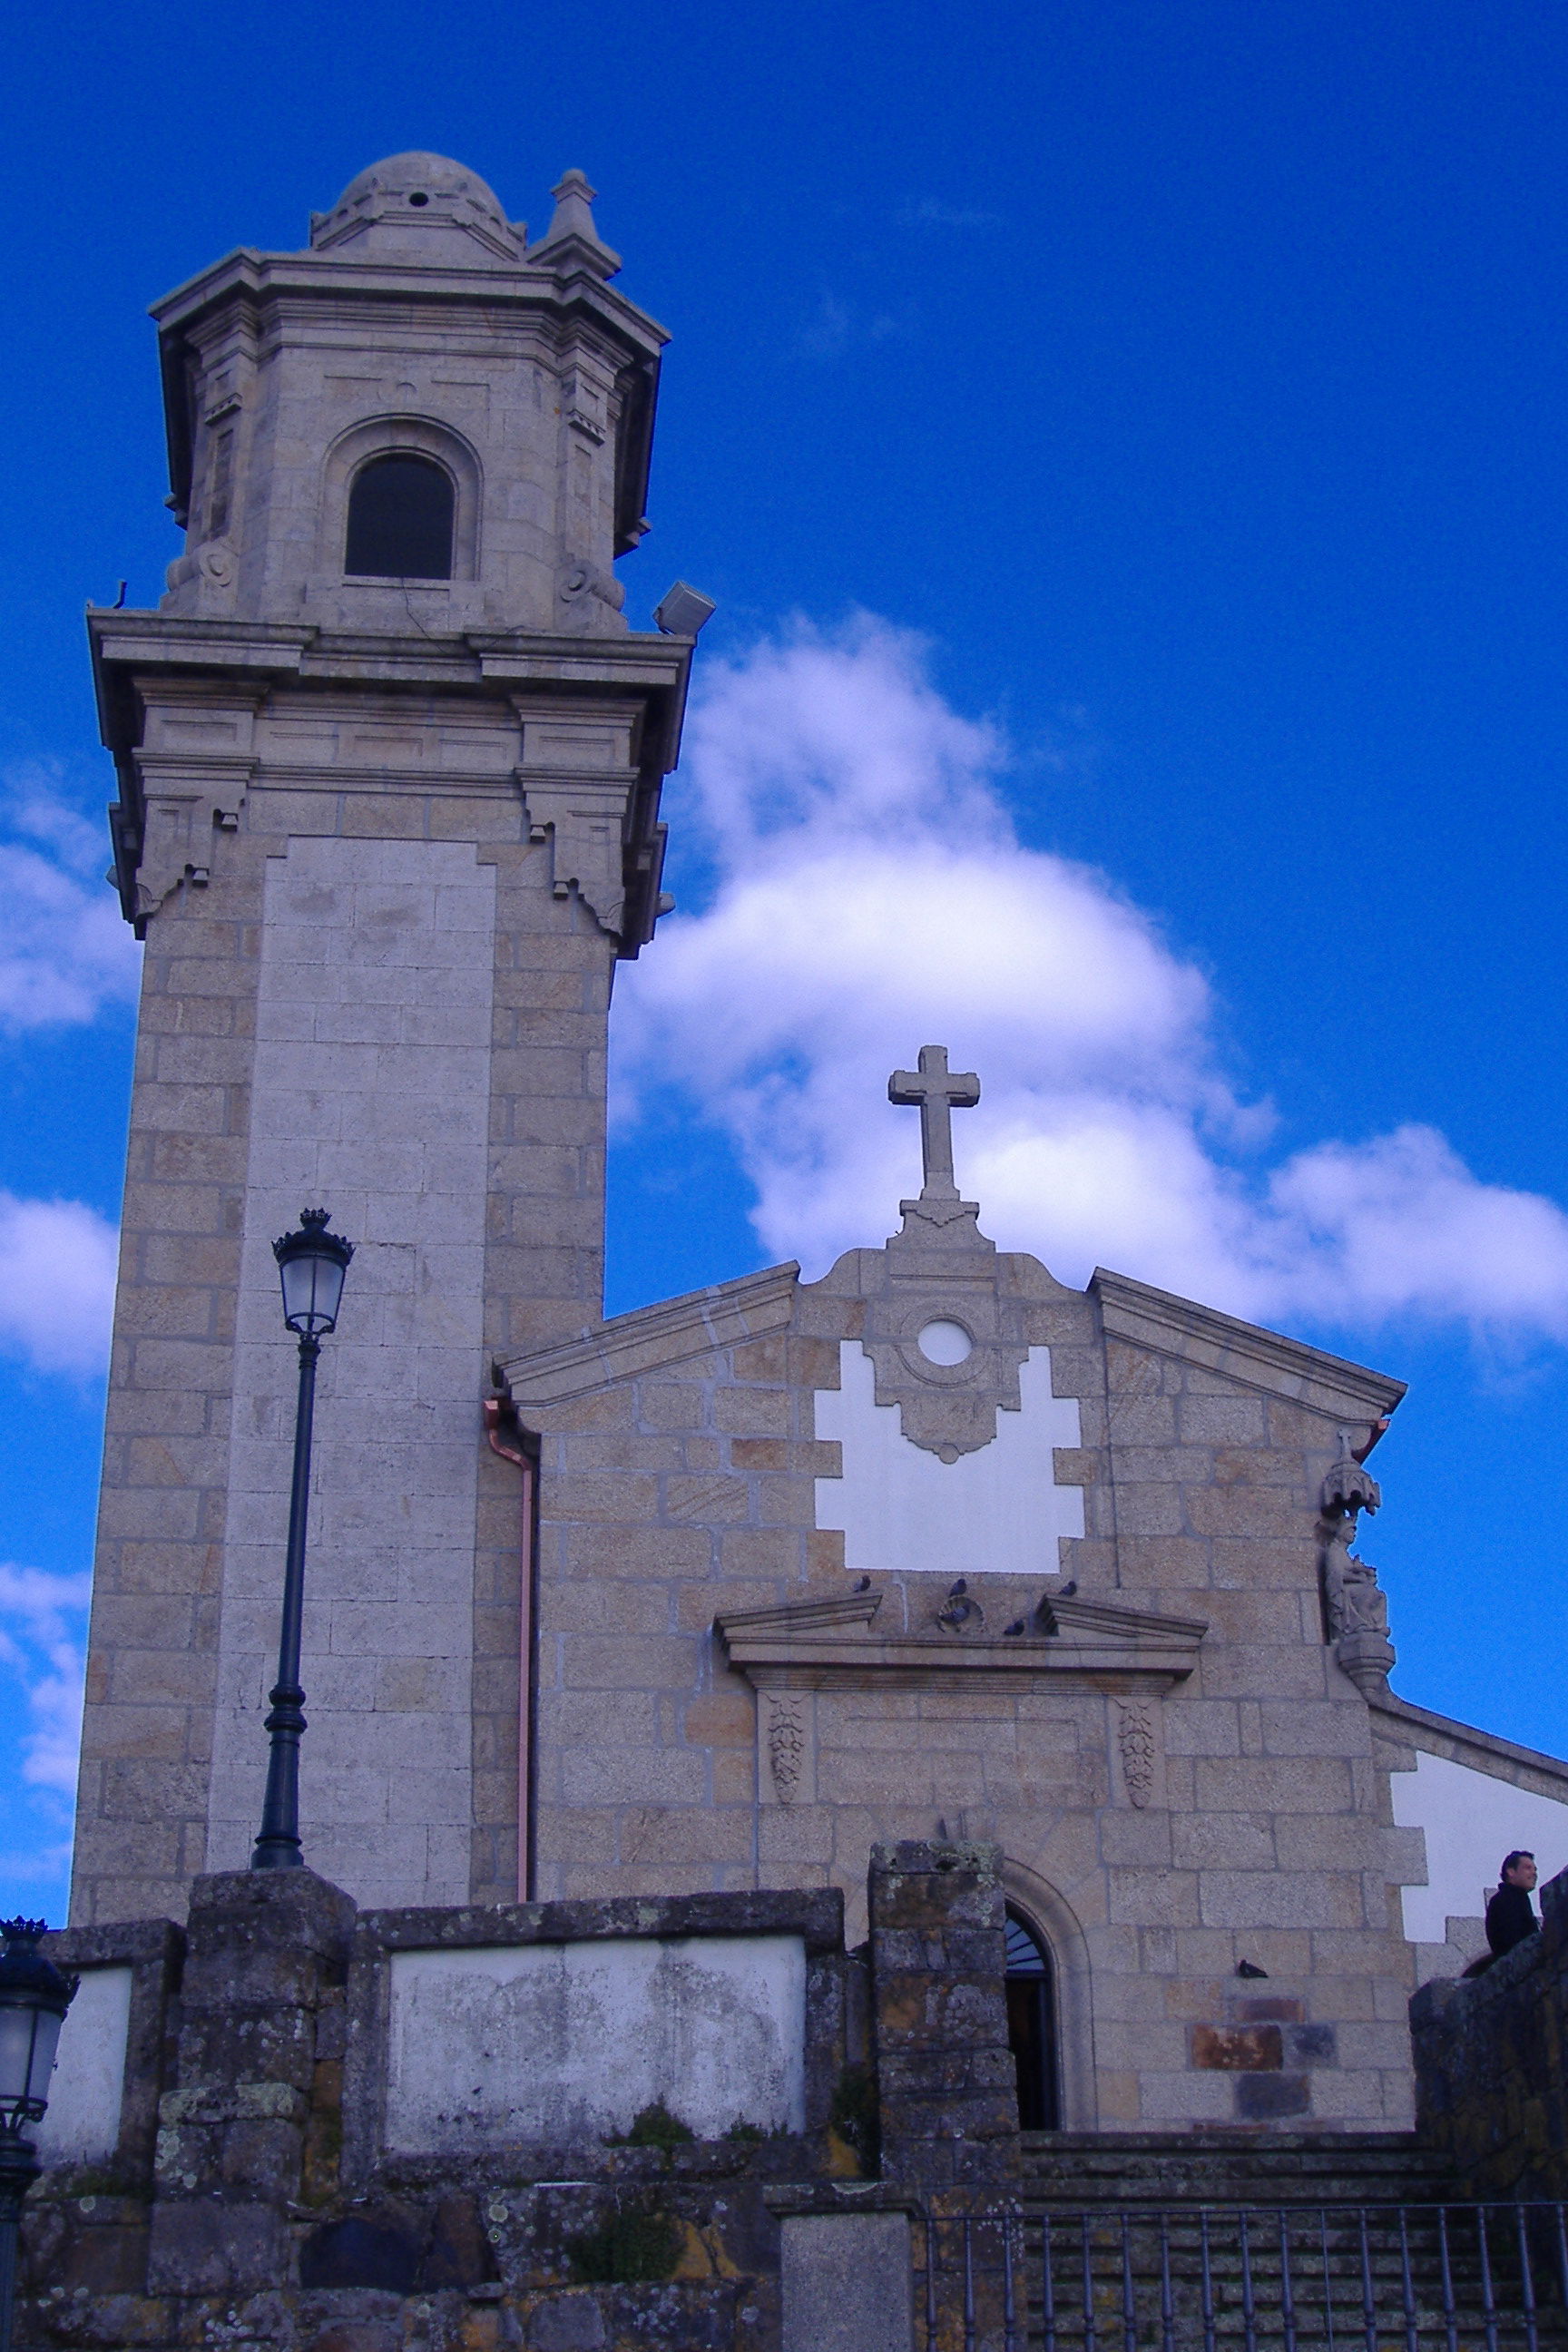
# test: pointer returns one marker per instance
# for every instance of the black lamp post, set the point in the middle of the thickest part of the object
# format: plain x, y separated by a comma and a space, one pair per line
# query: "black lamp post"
311, 1264
34, 1998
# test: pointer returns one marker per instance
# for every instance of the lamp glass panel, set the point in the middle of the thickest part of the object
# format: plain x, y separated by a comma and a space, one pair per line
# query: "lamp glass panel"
312, 1289
15, 2052
46, 2042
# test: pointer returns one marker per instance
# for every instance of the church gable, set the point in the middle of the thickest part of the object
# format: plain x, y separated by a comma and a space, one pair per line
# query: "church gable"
937, 1546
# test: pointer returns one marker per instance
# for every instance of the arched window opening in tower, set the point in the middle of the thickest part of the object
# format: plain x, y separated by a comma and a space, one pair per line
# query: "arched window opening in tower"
400, 520
1032, 2024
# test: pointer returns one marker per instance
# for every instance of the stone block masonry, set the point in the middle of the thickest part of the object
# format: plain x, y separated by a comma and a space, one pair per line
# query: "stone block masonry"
946, 2079
382, 994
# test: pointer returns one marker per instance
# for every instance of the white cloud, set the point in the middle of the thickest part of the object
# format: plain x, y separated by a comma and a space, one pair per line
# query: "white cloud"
57, 1261
67, 953
870, 895
42, 1626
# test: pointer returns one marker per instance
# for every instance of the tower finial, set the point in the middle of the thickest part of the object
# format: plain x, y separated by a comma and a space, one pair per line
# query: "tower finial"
572, 225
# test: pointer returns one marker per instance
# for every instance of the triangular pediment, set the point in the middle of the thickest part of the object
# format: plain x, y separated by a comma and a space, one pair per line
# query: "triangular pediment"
817, 1643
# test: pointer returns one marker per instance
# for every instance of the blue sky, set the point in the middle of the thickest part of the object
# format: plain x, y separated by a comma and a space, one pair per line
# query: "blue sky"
1126, 445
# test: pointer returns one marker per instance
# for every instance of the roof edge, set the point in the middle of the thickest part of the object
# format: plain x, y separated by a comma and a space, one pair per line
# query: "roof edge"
1479, 1749
669, 1332
1246, 1352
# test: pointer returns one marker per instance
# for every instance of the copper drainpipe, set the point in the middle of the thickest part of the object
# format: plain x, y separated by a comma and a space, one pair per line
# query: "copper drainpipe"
506, 1437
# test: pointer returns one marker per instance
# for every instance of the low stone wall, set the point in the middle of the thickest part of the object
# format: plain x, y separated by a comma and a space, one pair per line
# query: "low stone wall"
332, 2172
1488, 2053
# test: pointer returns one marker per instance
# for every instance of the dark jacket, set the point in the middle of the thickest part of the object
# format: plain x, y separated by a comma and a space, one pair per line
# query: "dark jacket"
1510, 1919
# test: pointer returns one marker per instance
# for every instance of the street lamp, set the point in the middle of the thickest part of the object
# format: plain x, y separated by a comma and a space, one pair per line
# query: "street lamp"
311, 1265
34, 1998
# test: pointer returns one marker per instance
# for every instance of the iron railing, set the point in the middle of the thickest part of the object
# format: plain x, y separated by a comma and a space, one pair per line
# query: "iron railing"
1229, 2278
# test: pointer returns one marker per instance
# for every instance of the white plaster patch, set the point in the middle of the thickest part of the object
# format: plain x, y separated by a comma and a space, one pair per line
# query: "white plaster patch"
502, 2045
372, 1100
998, 1512
1471, 1821
83, 2124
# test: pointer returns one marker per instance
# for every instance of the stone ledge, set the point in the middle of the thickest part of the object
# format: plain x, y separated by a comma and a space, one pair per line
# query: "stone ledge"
816, 1914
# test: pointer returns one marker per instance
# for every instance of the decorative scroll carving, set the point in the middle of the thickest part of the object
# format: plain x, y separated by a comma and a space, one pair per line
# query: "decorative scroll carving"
1135, 1739
961, 1611
1355, 1608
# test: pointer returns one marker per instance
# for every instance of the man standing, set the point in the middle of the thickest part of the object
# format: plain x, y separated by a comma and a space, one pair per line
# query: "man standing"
1510, 1918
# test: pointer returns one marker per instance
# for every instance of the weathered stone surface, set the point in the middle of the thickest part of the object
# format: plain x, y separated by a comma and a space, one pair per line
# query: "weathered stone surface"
847, 2283
945, 2073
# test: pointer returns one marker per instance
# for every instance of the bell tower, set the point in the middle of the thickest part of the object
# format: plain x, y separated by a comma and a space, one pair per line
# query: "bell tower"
389, 767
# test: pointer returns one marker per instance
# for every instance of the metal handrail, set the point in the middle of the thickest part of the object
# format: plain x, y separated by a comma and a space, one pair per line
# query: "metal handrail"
1430, 2276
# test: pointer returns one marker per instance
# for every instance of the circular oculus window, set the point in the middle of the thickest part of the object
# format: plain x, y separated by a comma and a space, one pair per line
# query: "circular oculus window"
944, 1342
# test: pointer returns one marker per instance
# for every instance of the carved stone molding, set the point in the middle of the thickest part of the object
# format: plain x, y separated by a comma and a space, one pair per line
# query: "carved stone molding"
583, 820
940, 1268
835, 1645
181, 815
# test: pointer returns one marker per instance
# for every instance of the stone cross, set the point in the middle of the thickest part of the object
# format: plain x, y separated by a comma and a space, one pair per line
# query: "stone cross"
938, 1092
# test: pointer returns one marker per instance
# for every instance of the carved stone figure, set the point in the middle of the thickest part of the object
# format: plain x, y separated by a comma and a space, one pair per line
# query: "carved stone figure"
1355, 1608
1353, 1600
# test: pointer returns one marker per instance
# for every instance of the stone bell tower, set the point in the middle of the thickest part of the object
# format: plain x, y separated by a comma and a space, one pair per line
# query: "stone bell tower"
389, 762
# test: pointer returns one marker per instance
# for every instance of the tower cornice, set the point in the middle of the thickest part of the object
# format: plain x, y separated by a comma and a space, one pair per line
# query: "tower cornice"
142, 659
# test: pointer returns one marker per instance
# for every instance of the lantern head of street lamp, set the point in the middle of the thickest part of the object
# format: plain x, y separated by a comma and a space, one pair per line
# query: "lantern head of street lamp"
311, 1264
34, 1998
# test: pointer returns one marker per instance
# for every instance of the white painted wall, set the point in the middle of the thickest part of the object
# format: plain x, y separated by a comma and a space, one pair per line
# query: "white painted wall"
83, 2124
371, 1098
998, 1512
502, 2045
1470, 1821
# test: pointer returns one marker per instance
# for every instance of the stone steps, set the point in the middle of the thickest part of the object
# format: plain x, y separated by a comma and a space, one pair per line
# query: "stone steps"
1189, 2168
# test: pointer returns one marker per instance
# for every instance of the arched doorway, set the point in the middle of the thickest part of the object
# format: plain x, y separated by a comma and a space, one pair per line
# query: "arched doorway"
1032, 2024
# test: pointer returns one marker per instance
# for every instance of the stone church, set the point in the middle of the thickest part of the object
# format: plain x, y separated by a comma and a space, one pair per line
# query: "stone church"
713, 1598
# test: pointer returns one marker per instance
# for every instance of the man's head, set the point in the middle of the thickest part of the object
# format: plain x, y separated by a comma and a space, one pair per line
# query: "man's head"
1519, 1869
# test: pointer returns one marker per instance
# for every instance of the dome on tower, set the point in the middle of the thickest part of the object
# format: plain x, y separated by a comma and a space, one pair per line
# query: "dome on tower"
412, 206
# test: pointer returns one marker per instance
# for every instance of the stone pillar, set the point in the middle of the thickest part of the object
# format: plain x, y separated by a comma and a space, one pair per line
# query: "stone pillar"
263, 1947
945, 2073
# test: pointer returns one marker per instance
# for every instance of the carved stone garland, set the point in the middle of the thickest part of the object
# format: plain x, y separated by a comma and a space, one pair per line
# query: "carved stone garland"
1135, 1738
